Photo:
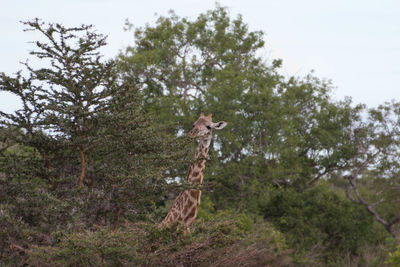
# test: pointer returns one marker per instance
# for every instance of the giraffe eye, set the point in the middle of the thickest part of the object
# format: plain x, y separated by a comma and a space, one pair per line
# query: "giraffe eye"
208, 127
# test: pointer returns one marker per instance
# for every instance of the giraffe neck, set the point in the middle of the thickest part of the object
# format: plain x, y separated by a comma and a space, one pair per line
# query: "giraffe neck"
196, 169
186, 205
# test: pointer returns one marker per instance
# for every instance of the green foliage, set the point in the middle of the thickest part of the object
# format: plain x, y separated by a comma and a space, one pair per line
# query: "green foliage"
12, 235
206, 209
101, 142
394, 258
102, 247
321, 216
81, 150
378, 163
216, 242
281, 130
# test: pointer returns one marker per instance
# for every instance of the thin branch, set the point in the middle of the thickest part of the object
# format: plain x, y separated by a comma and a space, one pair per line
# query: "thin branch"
361, 201
357, 198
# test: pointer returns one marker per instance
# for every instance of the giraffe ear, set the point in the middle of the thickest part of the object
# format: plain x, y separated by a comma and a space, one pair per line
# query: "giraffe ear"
219, 125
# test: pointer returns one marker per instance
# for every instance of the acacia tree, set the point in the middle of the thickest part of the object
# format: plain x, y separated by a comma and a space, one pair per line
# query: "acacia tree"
60, 101
83, 137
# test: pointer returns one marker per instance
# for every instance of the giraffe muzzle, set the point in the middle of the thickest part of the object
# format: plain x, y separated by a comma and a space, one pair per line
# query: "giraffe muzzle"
193, 133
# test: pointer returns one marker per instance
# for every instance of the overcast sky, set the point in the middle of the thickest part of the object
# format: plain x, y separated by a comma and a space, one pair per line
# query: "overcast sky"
356, 43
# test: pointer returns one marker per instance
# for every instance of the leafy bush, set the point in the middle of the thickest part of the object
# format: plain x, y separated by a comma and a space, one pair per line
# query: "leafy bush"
394, 258
101, 247
323, 218
222, 241
12, 236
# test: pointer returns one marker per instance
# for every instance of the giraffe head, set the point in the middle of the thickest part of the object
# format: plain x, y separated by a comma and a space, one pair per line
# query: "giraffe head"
204, 126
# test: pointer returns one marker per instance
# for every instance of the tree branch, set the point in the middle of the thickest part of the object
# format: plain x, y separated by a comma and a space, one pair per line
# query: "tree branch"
358, 199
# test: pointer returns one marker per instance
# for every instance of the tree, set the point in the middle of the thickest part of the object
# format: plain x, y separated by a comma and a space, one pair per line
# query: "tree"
178, 62
85, 151
60, 101
373, 172
282, 131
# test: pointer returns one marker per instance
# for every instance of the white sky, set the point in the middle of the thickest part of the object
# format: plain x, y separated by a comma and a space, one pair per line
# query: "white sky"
356, 43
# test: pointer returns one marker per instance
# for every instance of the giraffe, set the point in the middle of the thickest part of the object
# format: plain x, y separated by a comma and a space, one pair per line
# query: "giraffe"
187, 203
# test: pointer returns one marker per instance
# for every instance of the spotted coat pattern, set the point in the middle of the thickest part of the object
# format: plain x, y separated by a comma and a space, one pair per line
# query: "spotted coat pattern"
187, 203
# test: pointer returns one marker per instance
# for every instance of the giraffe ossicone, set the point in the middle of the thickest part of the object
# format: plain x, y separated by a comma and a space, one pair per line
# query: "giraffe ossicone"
186, 205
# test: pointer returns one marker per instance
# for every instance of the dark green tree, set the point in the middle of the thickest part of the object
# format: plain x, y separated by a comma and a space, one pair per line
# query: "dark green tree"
60, 100
323, 219
282, 131
81, 150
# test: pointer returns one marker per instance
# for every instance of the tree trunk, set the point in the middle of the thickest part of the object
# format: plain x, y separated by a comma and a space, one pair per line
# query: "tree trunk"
83, 166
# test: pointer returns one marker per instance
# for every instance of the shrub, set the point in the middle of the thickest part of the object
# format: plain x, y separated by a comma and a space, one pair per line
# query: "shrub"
12, 235
321, 218
99, 247
394, 258
221, 241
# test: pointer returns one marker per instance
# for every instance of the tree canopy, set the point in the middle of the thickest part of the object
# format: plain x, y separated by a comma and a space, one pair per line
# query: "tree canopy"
81, 150
98, 150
